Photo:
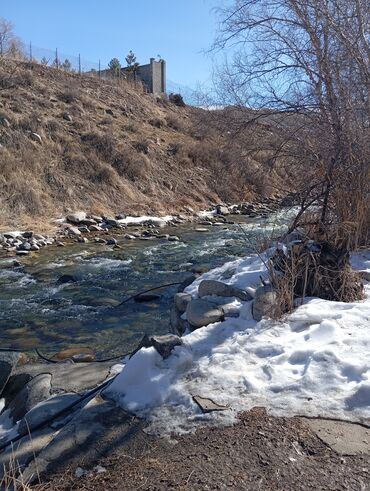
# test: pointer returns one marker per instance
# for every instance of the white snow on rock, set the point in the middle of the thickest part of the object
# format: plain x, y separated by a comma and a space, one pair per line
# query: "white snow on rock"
314, 362
138, 220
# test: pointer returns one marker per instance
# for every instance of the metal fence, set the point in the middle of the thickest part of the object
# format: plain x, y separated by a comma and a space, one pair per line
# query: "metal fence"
78, 64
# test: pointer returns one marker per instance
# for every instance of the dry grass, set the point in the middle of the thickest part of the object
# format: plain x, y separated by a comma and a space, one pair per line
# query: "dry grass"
108, 146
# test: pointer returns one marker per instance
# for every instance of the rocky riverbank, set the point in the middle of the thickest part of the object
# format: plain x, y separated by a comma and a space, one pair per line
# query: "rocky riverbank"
83, 227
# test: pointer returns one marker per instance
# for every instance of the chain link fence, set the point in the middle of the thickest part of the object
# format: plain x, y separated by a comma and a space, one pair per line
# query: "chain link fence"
78, 64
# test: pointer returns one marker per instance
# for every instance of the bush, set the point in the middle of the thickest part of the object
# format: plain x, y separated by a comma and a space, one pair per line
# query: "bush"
69, 95
177, 99
103, 143
175, 123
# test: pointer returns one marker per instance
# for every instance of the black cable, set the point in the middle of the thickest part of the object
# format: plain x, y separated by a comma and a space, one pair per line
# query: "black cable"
146, 291
59, 413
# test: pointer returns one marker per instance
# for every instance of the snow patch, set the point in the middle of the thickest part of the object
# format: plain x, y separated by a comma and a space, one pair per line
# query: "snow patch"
315, 362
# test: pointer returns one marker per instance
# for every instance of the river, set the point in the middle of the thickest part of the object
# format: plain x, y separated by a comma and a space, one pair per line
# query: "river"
37, 312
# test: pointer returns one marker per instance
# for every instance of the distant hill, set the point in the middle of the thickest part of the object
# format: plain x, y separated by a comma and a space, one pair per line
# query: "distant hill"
71, 142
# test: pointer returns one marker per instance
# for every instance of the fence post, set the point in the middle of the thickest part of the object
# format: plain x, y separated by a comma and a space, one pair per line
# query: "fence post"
30, 51
79, 63
56, 58
99, 70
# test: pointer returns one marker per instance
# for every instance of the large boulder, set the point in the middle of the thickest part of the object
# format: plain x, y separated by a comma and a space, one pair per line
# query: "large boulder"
200, 313
76, 218
213, 287
264, 302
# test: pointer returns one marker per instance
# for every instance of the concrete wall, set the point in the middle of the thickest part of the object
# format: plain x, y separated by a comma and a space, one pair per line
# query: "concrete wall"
153, 75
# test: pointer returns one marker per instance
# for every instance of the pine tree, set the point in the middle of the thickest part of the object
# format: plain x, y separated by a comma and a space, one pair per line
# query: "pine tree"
132, 64
114, 66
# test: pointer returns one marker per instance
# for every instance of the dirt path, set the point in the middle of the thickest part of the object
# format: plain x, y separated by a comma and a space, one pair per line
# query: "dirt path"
259, 453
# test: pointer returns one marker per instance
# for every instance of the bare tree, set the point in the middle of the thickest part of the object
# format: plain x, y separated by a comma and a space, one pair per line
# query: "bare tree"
303, 66
10, 44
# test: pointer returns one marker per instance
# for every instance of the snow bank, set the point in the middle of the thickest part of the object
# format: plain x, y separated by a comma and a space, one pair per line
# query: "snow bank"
315, 362
139, 220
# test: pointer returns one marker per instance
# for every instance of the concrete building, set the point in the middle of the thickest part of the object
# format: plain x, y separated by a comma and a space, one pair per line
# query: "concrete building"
153, 75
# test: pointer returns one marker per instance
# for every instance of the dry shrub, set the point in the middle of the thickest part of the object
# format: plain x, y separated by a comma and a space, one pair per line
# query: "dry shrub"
142, 146
312, 269
69, 95
106, 175
175, 122
103, 143
128, 163
15, 79
30, 123
156, 122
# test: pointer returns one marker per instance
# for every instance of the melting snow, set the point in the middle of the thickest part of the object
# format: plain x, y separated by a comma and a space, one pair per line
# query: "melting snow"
314, 362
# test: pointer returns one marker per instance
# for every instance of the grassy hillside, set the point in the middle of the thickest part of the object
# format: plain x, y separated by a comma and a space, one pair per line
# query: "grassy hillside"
71, 142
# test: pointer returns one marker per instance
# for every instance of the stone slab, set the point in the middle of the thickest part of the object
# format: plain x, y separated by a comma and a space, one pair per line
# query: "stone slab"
343, 437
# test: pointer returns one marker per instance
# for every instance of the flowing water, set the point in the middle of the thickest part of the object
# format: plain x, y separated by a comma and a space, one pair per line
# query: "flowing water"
37, 312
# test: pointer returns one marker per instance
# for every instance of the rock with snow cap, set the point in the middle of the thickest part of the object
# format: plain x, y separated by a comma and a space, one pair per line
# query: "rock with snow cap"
213, 287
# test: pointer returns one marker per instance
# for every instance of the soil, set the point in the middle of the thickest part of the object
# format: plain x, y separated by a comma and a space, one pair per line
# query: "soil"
260, 452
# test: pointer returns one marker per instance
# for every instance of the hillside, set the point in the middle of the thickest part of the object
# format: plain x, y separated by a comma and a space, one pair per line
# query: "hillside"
69, 142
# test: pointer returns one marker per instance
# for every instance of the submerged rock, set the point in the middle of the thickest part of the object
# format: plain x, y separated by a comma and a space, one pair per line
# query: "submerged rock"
66, 278
146, 297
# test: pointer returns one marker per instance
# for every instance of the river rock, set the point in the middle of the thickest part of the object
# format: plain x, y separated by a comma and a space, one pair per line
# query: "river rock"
187, 281
25, 246
222, 210
112, 222
264, 302
165, 344
73, 231
111, 241
78, 355
34, 392
213, 287
76, 218
8, 361
66, 278
88, 222
200, 313
181, 301
95, 228
22, 253
146, 297
176, 323
173, 238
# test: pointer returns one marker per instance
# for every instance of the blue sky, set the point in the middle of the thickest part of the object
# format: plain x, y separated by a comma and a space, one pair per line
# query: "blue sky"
178, 30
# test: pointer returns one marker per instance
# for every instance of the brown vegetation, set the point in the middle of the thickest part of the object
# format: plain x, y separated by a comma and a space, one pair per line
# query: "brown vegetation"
109, 147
